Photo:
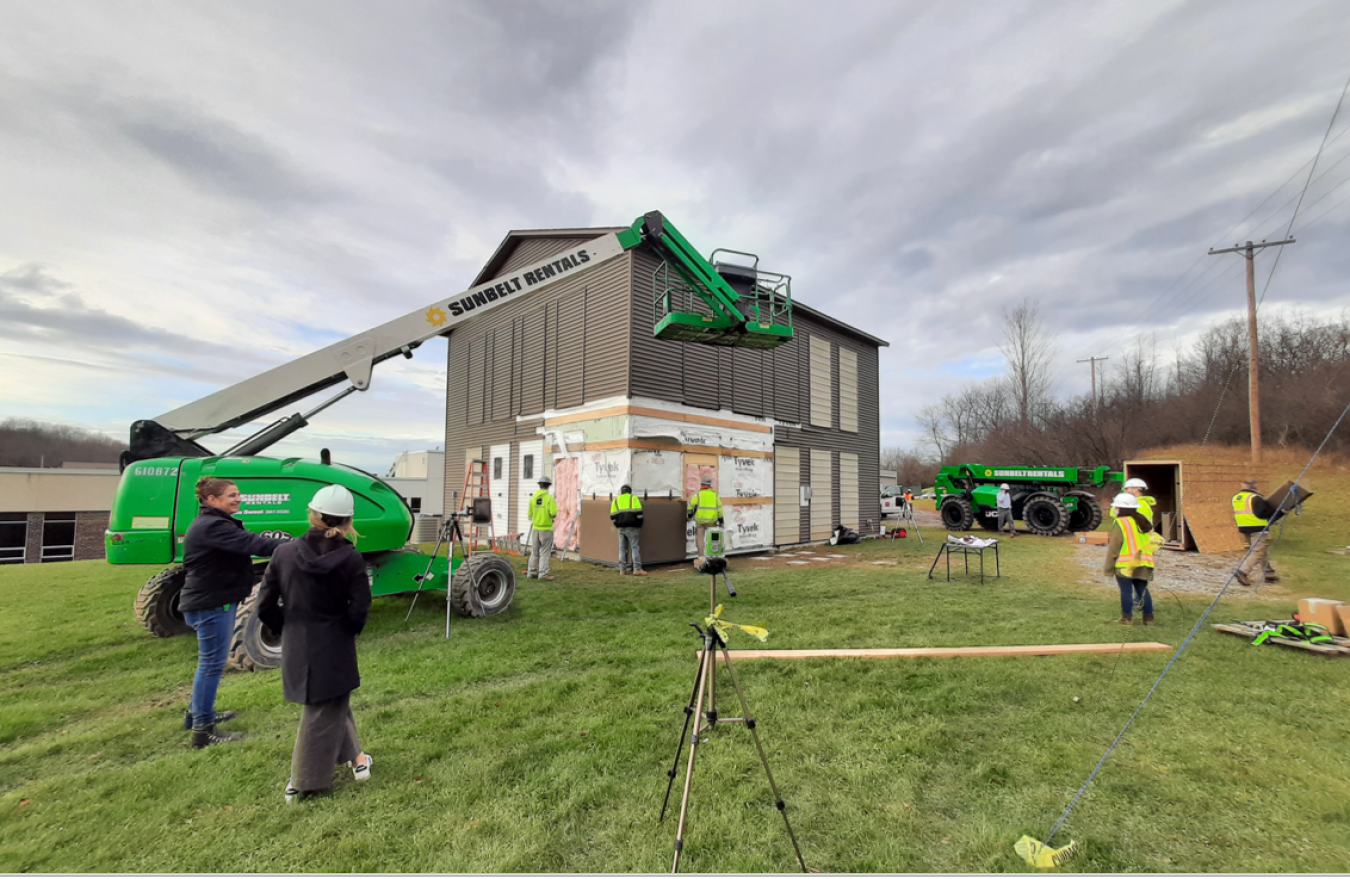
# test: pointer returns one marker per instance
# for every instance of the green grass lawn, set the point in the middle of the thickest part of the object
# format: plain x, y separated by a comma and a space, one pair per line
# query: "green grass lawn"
538, 740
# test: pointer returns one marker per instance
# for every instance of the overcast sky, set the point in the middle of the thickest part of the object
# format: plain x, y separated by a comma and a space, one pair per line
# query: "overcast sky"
193, 192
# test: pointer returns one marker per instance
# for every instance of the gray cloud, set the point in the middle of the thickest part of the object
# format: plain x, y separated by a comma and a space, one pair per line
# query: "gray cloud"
324, 166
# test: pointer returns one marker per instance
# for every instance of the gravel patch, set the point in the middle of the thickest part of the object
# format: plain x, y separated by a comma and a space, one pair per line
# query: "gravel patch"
1192, 572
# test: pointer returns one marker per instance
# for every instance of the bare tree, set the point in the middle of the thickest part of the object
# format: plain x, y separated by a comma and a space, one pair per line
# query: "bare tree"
1028, 349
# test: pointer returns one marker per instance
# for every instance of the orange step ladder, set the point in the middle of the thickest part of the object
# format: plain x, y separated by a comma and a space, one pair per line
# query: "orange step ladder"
478, 506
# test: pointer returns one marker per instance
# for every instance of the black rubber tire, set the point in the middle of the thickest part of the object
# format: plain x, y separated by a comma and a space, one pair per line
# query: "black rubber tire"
496, 579
253, 646
157, 603
957, 514
1046, 516
1088, 515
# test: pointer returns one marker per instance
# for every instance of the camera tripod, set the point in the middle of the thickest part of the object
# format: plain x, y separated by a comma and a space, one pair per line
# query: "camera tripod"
705, 683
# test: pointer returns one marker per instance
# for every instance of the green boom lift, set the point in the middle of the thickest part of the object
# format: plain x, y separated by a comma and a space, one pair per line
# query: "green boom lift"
1050, 500
696, 301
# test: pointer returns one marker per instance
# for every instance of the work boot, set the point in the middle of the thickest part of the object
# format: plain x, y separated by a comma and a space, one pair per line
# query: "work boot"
1241, 578
1126, 619
546, 577
221, 717
622, 572
207, 735
639, 573
1148, 619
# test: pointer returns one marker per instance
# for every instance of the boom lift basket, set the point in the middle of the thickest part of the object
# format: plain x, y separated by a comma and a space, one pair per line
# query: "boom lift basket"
729, 304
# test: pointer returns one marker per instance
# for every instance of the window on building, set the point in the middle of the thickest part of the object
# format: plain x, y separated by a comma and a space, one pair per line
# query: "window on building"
496, 468
13, 538
415, 504
527, 467
58, 537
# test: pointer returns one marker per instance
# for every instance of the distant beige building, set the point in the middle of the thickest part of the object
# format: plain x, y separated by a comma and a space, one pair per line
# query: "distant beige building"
54, 515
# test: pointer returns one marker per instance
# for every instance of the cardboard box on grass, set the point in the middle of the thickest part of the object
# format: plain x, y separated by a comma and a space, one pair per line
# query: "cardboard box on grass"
1343, 612
1324, 612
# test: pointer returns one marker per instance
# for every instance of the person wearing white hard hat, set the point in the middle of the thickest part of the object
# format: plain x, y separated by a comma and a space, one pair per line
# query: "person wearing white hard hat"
317, 594
1003, 502
1136, 487
543, 509
1129, 557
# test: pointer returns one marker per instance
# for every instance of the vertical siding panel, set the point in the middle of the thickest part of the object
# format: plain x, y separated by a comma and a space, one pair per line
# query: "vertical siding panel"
786, 381
534, 356
701, 375
848, 390
473, 407
500, 379
787, 479
822, 411
571, 350
848, 490
822, 494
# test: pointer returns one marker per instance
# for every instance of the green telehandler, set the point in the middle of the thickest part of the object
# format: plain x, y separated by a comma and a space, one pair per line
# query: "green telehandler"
1050, 500
695, 300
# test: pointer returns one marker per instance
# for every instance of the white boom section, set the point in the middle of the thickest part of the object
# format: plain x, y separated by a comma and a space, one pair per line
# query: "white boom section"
354, 358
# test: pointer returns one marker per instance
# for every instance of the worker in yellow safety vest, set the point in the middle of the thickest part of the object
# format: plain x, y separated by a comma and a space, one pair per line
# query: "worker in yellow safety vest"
1129, 557
1137, 487
1252, 514
625, 511
705, 508
542, 510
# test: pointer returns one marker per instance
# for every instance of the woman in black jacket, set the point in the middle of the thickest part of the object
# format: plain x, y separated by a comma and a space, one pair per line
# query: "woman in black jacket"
324, 595
218, 555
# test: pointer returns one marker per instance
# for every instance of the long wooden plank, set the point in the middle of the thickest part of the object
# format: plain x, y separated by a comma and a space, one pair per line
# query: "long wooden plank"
886, 652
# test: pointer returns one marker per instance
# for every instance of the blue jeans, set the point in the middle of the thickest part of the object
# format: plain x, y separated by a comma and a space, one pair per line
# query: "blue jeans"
1128, 590
215, 627
628, 539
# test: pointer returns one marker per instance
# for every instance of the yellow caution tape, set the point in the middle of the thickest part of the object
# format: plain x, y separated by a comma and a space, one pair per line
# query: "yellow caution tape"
723, 627
1042, 856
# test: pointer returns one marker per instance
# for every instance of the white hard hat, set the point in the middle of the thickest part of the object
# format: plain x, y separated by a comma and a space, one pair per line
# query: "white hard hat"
334, 500
1126, 501
1004, 486
1136, 482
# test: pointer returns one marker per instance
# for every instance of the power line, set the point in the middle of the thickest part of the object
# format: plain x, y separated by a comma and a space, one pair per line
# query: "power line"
1175, 656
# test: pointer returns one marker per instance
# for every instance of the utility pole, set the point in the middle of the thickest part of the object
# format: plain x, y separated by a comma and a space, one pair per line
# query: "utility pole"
1253, 364
1093, 361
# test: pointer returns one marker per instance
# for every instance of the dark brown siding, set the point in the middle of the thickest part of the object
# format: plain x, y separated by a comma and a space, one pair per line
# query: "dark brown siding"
557, 348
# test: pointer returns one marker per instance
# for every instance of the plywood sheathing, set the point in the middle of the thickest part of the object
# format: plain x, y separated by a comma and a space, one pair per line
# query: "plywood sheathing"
1206, 488
1207, 503
939, 652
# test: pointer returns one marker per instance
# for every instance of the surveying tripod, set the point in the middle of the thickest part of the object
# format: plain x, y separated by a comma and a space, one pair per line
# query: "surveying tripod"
705, 686
449, 531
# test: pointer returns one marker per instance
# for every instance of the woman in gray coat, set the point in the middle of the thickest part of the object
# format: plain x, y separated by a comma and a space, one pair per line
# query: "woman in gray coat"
324, 595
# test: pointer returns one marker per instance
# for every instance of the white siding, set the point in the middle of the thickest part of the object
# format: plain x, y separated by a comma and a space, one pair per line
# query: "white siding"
499, 488
822, 410
787, 480
822, 497
848, 390
848, 490
526, 485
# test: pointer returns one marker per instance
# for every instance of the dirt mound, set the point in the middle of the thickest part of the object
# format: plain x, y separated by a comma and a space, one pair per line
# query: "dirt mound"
1281, 458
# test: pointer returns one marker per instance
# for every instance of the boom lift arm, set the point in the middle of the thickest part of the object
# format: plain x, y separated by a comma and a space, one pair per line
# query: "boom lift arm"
738, 319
